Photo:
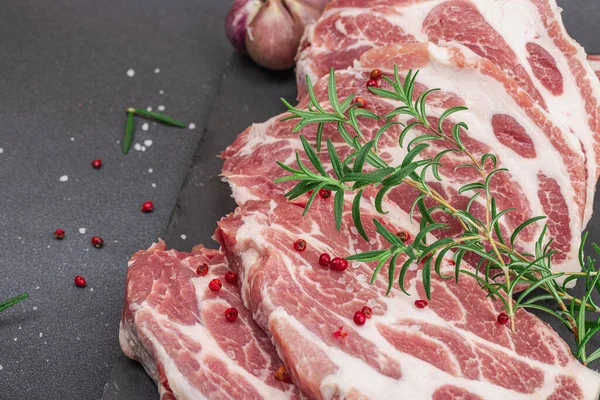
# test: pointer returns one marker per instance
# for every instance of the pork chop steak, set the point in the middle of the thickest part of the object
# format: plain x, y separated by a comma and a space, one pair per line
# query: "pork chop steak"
503, 120
452, 349
525, 38
175, 326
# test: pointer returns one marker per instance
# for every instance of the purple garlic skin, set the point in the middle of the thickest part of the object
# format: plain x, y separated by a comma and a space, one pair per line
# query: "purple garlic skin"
236, 23
269, 31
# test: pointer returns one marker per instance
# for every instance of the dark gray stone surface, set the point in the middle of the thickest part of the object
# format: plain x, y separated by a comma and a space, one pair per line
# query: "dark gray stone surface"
63, 91
62, 76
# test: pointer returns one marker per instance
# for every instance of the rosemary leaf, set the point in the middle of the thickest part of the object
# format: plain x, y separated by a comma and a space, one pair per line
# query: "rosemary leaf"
128, 137
12, 301
160, 117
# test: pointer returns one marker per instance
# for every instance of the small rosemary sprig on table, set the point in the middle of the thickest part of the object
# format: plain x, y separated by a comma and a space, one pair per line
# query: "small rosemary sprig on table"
12, 301
156, 116
499, 258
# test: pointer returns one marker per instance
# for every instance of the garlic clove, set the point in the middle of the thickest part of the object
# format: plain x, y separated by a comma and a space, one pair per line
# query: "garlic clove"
241, 13
273, 36
303, 12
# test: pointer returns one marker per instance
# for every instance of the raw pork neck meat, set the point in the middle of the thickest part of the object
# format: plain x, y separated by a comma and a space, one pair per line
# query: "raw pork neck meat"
452, 349
503, 120
525, 38
175, 326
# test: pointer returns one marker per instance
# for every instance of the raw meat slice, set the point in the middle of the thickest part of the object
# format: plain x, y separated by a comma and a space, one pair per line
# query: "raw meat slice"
594, 61
525, 38
175, 326
453, 349
502, 118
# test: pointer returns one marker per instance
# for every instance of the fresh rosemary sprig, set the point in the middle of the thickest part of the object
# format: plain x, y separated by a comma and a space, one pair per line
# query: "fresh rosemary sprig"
363, 168
156, 116
12, 301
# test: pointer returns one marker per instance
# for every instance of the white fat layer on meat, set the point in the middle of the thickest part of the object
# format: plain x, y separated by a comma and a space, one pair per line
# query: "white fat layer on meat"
179, 384
595, 64
519, 23
419, 378
241, 194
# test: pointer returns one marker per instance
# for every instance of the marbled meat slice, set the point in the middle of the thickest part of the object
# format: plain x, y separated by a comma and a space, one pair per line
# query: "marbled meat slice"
452, 349
502, 118
525, 38
176, 327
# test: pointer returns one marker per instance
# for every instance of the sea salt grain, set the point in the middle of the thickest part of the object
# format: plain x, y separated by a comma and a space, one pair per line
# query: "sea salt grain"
192, 125
156, 70
130, 72
72, 139
161, 108
1, 367
150, 170
63, 178
148, 143
145, 126
82, 230
137, 146
154, 185
161, 92
183, 237
148, 108
1, 150
143, 148
41, 334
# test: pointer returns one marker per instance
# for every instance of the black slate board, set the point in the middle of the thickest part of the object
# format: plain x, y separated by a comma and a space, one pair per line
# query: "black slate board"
249, 94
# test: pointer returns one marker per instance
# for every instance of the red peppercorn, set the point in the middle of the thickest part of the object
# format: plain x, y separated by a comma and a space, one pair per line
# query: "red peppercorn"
368, 311
421, 303
282, 375
339, 264
59, 234
376, 74
202, 269
215, 285
231, 277
147, 207
360, 102
324, 260
325, 193
231, 314
97, 242
360, 318
80, 281
300, 245
502, 318
96, 164
372, 83
403, 235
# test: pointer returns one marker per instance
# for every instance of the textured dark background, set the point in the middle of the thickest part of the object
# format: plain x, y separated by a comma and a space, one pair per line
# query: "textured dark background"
63, 89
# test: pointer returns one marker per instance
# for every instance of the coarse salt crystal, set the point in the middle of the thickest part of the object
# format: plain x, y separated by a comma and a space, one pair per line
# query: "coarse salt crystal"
63, 178
82, 230
150, 170
192, 125
147, 142
137, 146
72, 139
35, 308
183, 237
161, 92
161, 108
156, 70
15, 339
1, 150
130, 72
143, 148
413, 267
148, 108
145, 126
1, 367
372, 241
362, 278
41, 334
224, 179
154, 185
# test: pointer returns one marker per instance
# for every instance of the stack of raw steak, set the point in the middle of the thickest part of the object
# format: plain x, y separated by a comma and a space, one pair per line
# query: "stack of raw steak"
532, 101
